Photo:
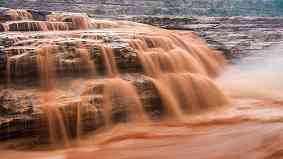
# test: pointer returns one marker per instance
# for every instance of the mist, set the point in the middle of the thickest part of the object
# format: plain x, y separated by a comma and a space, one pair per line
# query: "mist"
259, 75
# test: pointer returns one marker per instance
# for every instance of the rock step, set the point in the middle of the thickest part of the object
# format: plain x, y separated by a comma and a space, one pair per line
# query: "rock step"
36, 26
30, 120
23, 60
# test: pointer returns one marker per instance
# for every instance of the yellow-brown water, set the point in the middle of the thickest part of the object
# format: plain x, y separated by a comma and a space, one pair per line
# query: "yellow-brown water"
199, 120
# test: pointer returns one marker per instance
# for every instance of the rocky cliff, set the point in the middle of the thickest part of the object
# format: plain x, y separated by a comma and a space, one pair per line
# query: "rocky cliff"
157, 7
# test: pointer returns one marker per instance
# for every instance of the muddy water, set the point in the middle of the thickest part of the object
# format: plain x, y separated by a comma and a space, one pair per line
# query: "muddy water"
179, 67
252, 129
200, 121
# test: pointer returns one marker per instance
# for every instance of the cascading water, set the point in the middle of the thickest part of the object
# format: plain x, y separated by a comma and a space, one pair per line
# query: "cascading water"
177, 67
98, 82
22, 20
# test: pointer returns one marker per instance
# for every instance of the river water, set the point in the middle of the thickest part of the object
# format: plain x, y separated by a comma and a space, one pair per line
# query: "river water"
242, 119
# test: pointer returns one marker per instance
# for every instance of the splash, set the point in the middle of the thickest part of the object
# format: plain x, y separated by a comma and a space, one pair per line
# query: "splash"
257, 76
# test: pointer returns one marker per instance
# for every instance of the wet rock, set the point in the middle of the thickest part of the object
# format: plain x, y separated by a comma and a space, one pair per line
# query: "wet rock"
126, 58
17, 126
149, 96
2, 59
17, 115
11, 104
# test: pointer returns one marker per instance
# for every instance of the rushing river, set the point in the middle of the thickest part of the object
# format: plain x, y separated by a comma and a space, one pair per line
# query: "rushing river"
207, 109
